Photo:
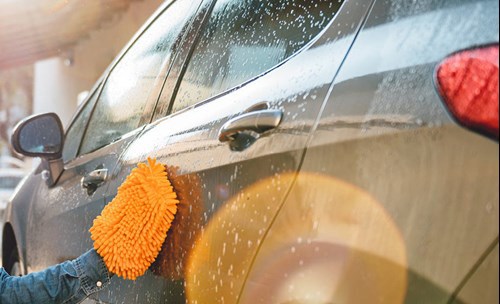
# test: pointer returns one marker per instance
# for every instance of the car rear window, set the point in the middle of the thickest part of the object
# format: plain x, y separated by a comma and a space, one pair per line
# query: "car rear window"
243, 39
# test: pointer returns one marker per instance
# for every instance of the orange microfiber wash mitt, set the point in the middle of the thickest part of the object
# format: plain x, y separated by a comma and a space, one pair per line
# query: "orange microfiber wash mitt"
131, 229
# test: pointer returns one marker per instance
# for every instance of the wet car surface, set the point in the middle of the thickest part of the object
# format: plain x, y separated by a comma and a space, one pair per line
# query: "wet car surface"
314, 158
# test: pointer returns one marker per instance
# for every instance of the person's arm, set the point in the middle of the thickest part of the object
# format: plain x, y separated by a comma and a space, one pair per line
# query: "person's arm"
68, 282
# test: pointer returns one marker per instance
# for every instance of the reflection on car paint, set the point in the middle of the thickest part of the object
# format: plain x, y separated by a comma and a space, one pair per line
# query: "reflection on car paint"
329, 241
185, 228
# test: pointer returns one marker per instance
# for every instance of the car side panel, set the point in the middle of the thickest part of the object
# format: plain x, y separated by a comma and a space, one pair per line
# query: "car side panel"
61, 215
229, 198
17, 215
394, 200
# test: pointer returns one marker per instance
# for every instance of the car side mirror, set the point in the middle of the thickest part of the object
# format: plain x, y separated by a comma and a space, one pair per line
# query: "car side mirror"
39, 136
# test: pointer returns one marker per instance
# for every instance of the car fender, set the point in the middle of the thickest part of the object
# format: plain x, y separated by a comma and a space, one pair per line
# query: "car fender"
17, 215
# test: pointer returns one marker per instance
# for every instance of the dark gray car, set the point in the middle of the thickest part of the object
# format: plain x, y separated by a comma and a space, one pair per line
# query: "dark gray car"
316, 148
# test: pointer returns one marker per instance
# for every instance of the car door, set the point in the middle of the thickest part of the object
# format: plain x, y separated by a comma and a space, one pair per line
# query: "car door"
395, 202
112, 116
160, 42
235, 113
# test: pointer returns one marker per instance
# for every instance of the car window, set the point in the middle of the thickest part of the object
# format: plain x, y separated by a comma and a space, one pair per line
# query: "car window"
123, 99
75, 131
243, 39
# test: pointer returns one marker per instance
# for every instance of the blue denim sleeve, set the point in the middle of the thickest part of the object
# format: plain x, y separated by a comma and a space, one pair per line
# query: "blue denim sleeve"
68, 282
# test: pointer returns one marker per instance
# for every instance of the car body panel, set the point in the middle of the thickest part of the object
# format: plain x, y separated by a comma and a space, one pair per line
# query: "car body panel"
188, 143
386, 137
61, 209
16, 218
482, 284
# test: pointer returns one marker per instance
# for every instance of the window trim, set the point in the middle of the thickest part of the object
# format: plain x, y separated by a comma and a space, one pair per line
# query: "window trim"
182, 57
189, 54
94, 91
85, 158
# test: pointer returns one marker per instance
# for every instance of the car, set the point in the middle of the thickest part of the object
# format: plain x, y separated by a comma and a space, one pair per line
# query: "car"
9, 178
329, 151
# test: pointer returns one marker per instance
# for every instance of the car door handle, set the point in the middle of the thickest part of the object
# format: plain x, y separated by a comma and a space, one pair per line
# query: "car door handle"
257, 121
94, 179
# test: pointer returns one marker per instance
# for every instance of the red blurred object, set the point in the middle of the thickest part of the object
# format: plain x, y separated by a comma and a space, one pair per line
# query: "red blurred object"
468, 82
